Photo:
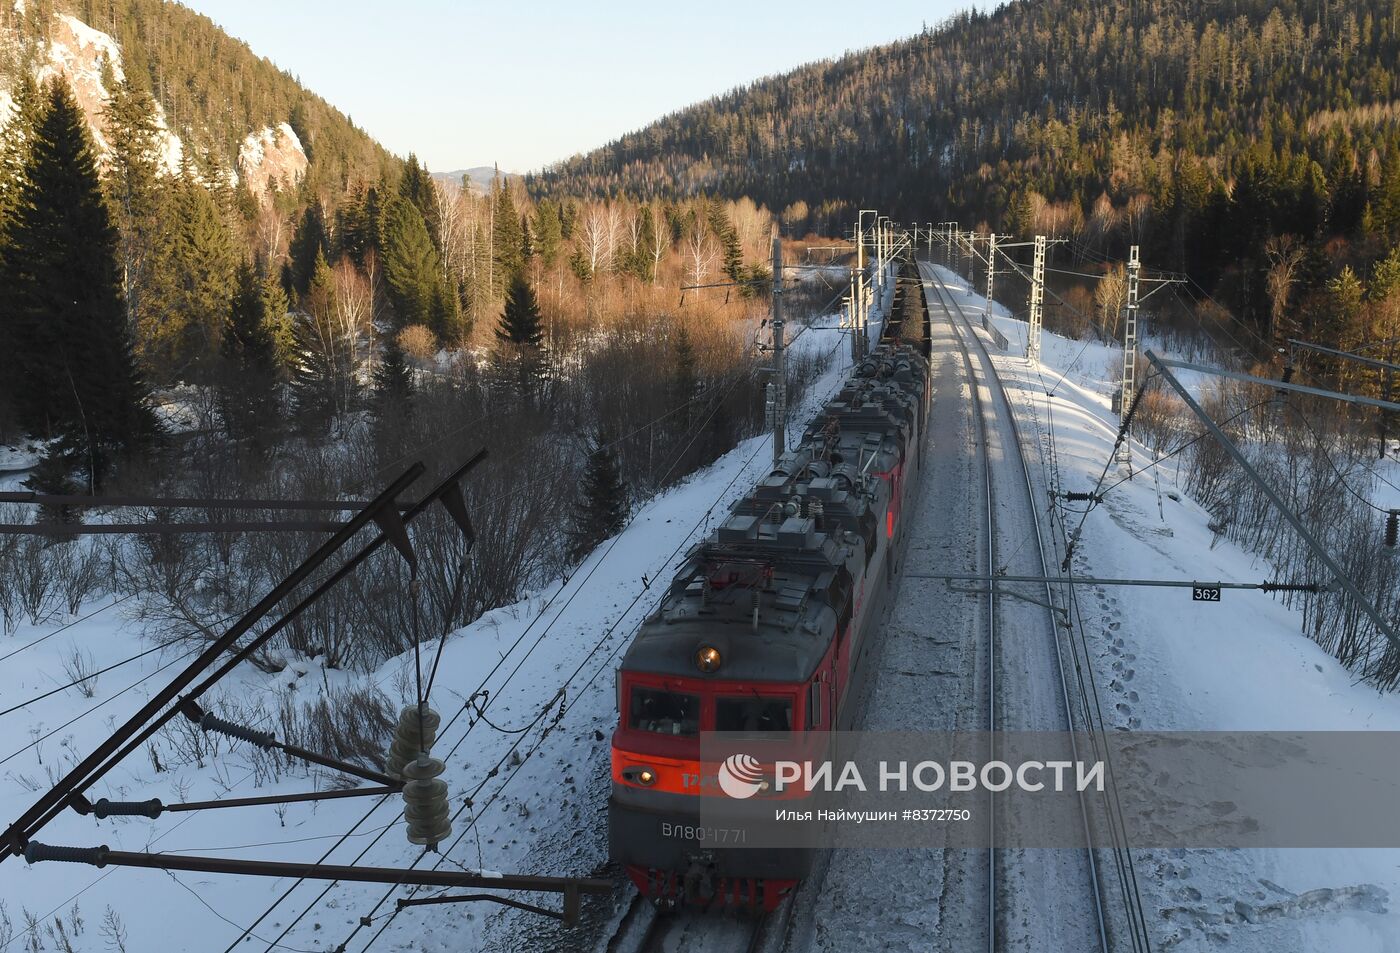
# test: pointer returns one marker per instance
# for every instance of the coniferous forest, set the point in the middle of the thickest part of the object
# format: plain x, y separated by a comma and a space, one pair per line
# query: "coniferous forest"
1253, 145
188, 327
301, 331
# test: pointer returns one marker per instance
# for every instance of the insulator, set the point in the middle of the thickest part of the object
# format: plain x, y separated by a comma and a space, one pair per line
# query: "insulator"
815, 509
105, 808
414, 735
211, 722
35, 852
1392, 528
425, 802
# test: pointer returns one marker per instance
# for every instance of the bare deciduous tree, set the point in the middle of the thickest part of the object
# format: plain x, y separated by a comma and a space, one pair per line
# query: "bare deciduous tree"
1285, 255
700, 253
1109, 298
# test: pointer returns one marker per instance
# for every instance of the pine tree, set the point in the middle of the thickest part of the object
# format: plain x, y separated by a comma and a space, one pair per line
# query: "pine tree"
62, 319
601, 508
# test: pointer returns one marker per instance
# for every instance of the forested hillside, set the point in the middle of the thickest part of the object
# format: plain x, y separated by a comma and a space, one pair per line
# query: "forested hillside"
1199, 128
212, 285
213, 89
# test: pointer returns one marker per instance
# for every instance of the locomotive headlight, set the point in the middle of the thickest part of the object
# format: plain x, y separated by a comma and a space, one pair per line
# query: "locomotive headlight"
646, 777
707, 659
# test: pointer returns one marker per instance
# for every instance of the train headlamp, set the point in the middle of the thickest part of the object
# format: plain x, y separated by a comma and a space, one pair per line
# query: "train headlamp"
707, 659
636, 774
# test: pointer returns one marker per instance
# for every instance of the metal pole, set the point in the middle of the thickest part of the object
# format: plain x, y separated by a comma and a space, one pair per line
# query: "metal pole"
1288, 514
1088, 581
1128, 385
86, 772
1036, 302
853, 306
991, 278
859, 333
1283, 385
101, 857
779, 370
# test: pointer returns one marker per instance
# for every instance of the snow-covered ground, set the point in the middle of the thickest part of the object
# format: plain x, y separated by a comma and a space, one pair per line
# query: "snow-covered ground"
1173, 664
1167, 662
538, 782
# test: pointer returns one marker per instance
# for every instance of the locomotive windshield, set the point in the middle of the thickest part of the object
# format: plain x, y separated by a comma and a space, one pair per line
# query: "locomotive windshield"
753, 713
667, 713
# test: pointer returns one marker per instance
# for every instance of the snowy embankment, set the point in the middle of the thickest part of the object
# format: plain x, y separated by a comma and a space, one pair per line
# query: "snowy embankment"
535, 767
1168, 663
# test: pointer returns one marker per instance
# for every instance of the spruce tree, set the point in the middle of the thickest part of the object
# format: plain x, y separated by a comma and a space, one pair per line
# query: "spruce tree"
393, 382
520, 335
279, 322
139, 210
417, 187
317, 372
521, 325
204, 265
412, 271
548, 232
309, 239
728, 238
15, 137
248, 393
684, 384
600, 511
507, 239
62, 318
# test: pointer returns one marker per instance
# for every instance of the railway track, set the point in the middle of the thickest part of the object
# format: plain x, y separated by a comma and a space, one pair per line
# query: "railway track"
644, 930
997, 858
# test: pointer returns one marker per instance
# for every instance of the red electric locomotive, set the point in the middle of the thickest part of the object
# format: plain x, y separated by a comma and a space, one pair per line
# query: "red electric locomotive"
767, 627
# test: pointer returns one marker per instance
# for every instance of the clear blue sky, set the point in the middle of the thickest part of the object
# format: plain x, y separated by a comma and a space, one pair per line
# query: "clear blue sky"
528, 83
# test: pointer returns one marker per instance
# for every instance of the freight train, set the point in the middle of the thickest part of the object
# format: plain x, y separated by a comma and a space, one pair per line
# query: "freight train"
769, 625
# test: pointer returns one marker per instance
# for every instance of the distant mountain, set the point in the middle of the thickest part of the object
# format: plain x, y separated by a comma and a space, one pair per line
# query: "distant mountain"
479, 177
1196, 128
218, 102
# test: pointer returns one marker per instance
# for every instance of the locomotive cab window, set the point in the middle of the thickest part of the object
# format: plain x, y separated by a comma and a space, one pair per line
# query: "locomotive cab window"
753, 713
667, 713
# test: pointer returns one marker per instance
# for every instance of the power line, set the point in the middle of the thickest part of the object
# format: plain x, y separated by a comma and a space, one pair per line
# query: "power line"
100, 704
564, 707
68, 625
102, 671
544, 611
